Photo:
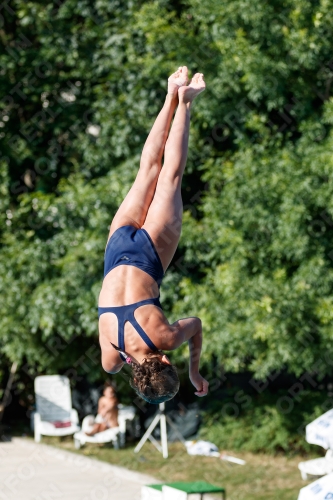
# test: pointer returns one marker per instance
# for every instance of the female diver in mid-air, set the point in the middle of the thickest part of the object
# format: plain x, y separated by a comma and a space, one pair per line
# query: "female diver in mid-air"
143, 238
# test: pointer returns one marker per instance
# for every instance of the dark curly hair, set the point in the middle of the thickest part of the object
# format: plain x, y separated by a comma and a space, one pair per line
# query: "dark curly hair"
154, 381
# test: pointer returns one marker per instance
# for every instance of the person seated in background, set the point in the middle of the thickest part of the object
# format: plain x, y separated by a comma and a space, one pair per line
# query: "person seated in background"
107, 411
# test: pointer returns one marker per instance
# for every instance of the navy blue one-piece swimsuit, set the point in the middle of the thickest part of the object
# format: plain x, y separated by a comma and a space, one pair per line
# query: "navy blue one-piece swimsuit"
134, 247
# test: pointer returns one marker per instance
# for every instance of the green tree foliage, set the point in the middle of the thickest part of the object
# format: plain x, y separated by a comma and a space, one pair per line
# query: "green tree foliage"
262, 425
81, 83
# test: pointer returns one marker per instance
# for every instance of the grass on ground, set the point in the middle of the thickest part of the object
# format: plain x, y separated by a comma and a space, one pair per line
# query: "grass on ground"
264, 477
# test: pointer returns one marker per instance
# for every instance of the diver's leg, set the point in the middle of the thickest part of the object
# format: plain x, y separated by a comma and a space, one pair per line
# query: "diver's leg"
134, 208
164, 217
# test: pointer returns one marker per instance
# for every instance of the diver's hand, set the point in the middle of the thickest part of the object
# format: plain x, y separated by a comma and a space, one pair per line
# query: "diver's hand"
200, 384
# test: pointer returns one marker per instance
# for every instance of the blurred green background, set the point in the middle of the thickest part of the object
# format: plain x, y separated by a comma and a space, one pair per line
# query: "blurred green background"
81, 83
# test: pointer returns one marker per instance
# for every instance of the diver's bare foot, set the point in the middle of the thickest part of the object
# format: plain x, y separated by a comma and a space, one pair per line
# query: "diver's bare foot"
188, 93
176, 80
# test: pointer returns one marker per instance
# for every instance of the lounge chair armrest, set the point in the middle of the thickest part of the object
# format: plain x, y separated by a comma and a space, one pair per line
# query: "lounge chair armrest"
37, 427
74, 417
37, 418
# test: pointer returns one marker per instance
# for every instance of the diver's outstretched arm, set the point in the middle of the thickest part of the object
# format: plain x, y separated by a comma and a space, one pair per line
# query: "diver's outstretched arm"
190, 330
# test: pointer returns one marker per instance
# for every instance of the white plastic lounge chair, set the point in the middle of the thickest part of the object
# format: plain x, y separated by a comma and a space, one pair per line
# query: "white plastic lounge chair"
320, 431
55, 415
322, 489
110, 435
116, 435
312, 469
